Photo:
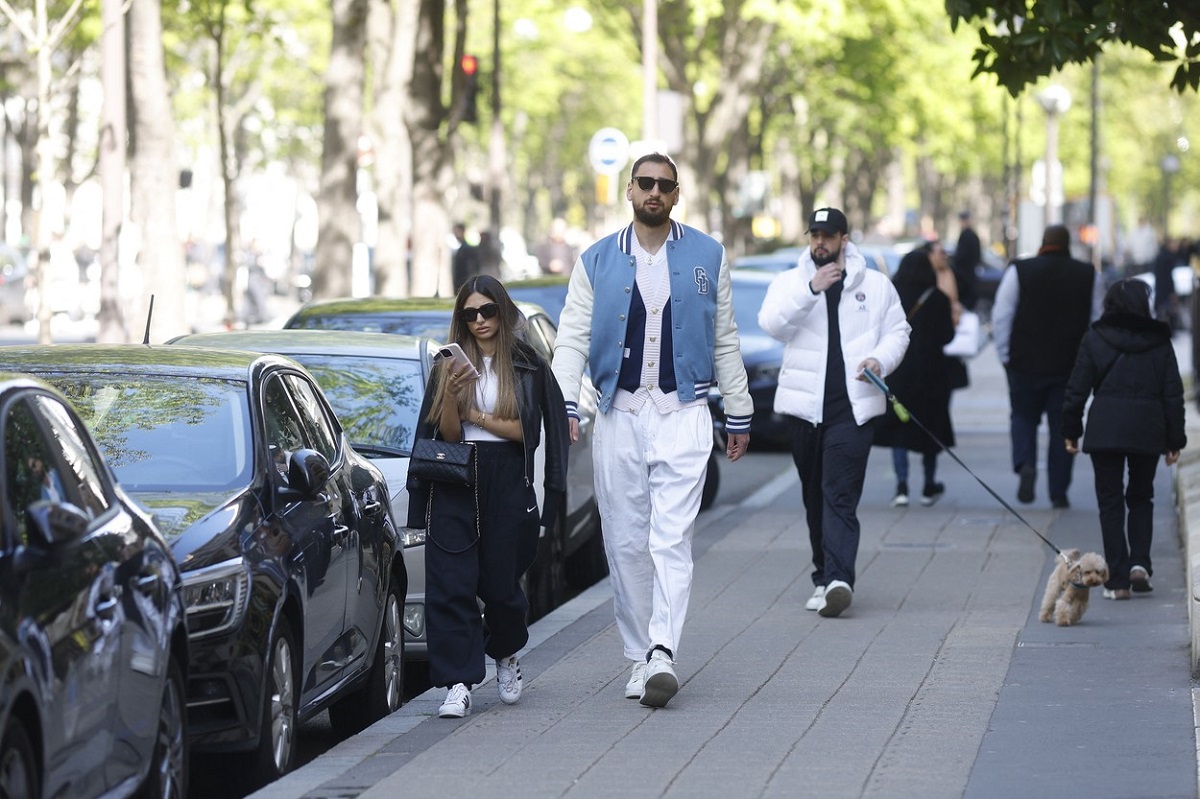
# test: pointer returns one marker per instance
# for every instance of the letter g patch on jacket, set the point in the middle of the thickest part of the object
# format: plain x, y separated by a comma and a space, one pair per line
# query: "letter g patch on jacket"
701, 280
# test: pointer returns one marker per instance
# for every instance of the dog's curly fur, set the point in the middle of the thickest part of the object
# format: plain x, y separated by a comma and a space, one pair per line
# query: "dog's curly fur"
1067, 590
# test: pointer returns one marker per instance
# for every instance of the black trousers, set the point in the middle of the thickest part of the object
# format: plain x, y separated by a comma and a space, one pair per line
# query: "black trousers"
1125, 547
832, 463
472, 558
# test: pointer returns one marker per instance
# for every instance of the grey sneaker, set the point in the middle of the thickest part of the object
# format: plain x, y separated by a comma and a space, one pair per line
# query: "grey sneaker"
457, 704
814, 601
661, 682
837, 598
637, 681
508, 679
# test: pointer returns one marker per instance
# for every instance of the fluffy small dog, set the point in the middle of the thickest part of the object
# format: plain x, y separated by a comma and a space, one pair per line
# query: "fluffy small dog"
1067, 590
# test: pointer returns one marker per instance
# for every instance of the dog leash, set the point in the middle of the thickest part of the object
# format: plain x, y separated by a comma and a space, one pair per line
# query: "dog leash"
904, 415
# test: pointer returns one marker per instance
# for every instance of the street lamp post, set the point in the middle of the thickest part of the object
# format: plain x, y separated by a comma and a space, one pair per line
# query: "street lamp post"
1055, 100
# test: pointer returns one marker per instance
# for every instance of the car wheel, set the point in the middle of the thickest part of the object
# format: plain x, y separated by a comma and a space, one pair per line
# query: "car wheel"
384, 689
18, 766
277, 733
588, 564
168, 777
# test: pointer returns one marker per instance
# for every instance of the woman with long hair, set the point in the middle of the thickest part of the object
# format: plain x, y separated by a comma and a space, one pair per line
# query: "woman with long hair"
482, 538
922, 380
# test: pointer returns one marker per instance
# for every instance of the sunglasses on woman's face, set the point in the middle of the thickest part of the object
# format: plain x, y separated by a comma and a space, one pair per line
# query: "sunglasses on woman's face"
665, 185
487, 311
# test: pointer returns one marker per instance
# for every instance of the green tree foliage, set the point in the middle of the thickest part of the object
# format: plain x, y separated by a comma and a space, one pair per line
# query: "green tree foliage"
1024, 40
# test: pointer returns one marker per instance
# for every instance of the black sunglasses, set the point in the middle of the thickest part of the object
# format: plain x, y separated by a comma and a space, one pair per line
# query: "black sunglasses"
665, 185
488, 311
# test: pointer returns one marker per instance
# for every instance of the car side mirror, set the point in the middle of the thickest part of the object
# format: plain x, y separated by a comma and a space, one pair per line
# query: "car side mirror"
307, 474
49, 523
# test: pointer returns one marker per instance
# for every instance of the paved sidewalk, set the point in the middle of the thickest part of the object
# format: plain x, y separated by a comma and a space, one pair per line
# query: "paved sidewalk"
939, 681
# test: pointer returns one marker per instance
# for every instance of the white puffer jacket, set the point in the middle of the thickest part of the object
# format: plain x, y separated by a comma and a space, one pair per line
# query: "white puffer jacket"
872, 323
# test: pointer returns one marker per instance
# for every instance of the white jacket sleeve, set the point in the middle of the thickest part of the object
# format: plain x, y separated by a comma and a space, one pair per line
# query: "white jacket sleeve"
787, 303
574, 339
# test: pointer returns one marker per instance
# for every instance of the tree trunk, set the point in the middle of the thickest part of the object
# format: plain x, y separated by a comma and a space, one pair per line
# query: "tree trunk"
154, 178
390, 33
340, 226
431, 158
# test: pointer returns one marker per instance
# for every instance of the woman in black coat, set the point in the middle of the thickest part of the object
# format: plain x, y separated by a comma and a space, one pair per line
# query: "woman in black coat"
1127, 364
922, 381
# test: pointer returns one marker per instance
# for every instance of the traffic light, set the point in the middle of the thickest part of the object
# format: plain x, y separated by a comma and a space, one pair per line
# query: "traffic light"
470, 70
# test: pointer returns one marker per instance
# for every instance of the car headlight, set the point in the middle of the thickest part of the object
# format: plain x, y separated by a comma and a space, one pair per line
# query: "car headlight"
411, 537
216, 597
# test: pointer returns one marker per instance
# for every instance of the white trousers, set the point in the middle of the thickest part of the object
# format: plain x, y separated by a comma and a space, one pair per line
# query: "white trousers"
650, 471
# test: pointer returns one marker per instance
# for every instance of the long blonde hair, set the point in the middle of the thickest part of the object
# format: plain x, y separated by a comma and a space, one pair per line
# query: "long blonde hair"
510, 321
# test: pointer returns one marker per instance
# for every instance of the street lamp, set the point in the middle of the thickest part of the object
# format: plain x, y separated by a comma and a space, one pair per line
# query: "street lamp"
1055, 100
1170, 166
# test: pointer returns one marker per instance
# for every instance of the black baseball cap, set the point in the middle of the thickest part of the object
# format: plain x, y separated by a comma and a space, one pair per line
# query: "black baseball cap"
829, 220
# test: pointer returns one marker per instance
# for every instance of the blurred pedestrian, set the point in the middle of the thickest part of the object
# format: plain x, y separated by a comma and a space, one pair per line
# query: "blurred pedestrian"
1126, 363
967, 254
555, 255
483, 538
465, 261
1166, 302
922, 380
837, 319
650, 308
947, 283
1043, 307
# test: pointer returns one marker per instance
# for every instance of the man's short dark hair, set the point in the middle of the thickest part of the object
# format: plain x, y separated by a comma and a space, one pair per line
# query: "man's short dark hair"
657, 158
1057, 237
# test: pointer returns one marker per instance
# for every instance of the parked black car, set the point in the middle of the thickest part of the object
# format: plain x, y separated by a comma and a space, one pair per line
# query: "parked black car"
293, 577
93, 645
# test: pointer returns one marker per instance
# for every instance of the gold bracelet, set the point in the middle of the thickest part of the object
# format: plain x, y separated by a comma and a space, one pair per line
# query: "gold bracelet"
482, 419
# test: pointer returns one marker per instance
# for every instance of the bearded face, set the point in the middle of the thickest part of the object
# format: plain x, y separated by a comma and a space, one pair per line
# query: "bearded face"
825, 247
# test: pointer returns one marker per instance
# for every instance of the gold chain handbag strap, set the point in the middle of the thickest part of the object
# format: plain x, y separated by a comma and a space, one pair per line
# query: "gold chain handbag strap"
474, 494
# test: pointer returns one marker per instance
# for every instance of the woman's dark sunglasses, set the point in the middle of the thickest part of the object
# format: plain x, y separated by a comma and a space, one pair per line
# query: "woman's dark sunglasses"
487, 311
665, 185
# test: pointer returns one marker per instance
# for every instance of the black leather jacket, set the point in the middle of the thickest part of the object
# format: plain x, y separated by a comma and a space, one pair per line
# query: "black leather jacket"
541, 403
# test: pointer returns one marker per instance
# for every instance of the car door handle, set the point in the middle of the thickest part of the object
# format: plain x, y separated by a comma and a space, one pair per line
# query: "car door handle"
372, 508
148, 583
340, 531
106, 604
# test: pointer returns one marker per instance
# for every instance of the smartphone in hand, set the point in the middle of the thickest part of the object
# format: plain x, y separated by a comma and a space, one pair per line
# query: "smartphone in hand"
454, 353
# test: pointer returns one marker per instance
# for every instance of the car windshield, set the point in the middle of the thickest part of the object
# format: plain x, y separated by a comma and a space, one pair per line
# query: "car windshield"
164, 433
747, 299
377, 400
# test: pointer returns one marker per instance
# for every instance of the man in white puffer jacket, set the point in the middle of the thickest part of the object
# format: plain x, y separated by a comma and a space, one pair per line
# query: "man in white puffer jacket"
837, 318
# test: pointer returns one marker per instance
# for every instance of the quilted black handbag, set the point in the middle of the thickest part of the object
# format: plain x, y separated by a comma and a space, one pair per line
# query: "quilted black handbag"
443, 461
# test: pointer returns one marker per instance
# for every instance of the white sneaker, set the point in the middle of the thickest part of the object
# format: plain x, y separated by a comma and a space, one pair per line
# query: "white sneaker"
661, 682
457, 704
508, 679
637, 681
837, 599
814, 601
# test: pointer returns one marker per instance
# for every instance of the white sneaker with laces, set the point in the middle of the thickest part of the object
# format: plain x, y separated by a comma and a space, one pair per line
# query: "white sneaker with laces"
637, 681
508, 679
814, 601
457, 704
837, 598
661, 682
